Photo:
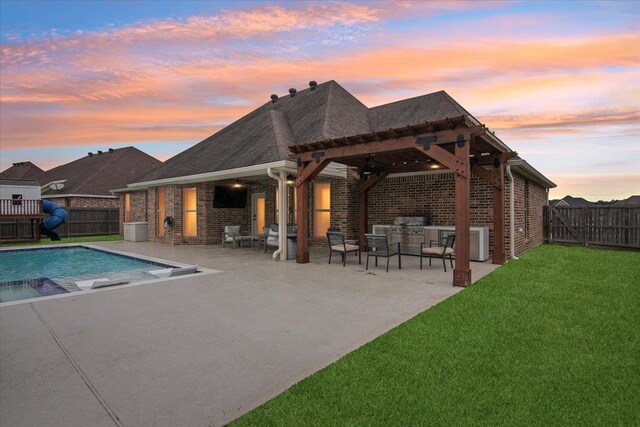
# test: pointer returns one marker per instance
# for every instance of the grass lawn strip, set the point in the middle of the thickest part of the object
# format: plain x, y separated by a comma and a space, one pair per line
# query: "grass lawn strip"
82, 239
553, 338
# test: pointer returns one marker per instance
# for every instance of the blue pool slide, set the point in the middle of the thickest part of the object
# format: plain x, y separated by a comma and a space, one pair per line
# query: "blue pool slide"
57, 217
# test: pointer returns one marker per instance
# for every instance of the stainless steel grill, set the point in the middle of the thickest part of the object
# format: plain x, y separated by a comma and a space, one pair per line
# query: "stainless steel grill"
409, 232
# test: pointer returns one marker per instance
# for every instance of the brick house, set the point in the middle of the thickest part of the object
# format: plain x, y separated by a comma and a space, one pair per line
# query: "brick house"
254, 156
87, 182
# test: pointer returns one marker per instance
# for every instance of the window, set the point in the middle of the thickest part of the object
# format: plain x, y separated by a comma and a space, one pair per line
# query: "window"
161, 204
189, 212
321, 208
127, 207
16, 199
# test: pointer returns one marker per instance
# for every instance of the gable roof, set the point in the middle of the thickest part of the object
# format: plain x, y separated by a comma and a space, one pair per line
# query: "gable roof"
99, 173
264, 135
426, 108
22, 170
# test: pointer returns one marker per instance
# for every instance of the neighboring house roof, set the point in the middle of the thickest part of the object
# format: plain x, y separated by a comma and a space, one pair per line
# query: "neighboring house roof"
574, 202
559, 203
24, 182
329, 111
631, 201
22, 170
97, 174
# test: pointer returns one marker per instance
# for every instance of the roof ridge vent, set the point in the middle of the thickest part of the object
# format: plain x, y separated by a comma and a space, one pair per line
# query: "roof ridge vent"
313, 85
292, 92
274, 98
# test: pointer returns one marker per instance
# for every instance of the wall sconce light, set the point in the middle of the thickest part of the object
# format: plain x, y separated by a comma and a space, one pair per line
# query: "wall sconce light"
291, 179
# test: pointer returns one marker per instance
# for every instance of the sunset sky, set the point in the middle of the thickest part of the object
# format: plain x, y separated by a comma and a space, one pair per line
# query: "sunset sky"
559, 82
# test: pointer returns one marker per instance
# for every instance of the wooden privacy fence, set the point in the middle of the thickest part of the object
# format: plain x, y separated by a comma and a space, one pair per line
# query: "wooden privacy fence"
597, 226
80, 222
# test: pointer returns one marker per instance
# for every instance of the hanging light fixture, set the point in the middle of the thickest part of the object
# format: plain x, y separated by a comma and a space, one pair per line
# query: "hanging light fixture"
291, 179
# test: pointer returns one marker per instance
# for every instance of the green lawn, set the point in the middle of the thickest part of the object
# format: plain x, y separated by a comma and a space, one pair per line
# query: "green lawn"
551, 339
83, 239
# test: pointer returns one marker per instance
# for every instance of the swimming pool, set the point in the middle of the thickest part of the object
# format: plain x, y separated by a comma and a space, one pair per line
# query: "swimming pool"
31, 273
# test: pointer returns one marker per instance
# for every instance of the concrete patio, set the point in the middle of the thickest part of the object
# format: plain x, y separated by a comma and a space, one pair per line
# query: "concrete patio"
200, 350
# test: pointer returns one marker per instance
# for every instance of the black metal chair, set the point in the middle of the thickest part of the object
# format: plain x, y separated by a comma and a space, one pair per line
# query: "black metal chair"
337, 243
378, 246
442, 250
261, 239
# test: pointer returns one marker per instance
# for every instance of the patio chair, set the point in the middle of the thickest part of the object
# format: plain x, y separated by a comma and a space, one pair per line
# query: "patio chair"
378, 246
337, 243
231, 234
261, 239
442, 250
272, 239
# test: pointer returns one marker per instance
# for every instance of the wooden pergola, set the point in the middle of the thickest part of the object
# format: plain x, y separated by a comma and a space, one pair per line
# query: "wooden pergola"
457, 144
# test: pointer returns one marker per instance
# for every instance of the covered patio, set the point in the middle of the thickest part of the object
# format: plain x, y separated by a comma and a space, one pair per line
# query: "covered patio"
459, 144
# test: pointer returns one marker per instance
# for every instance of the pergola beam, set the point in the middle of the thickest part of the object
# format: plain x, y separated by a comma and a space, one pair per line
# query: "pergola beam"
386, 146
451, 161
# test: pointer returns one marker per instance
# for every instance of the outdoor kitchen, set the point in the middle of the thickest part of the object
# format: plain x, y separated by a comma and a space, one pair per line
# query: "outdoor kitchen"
412, 231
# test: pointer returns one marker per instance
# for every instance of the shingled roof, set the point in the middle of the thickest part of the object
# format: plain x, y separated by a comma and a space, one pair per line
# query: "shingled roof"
22, 170
329, 111
99, 173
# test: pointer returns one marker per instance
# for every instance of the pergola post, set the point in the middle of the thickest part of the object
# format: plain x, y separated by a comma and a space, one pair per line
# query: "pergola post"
462, 270
499, 255
302, 221
307, 171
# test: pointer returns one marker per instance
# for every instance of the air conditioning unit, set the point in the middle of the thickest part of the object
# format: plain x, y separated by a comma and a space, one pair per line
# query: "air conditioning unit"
478, 239
136, 231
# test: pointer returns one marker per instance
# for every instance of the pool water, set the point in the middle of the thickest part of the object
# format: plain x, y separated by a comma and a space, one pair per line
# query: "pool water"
23, 272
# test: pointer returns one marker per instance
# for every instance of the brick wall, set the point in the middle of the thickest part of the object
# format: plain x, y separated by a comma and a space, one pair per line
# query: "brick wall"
416, 195
528, 221
210, 220
434, 194
138, 208
85, 202
430, 195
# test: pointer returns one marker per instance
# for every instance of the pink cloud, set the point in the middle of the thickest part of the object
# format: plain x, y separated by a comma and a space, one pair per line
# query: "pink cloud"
167, 80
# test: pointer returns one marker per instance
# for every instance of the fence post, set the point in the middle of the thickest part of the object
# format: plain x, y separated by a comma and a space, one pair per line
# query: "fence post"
585, 225
545, 223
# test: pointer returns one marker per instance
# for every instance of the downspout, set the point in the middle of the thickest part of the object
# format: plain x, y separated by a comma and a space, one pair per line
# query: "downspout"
282, 213
512, 237
282, 225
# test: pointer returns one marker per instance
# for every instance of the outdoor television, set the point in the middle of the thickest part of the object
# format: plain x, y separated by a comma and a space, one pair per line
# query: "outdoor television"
224, 197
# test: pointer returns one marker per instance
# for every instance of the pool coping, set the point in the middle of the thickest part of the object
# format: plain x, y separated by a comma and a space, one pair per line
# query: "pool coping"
201, 271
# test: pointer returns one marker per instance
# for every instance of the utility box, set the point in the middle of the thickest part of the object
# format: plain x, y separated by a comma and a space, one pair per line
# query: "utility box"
136, 231
291, 247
